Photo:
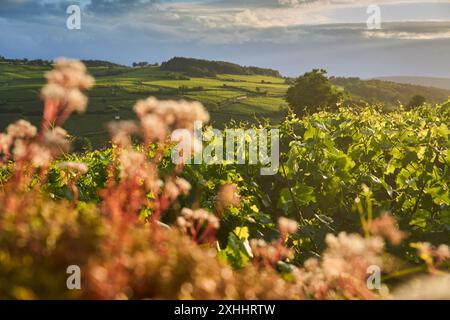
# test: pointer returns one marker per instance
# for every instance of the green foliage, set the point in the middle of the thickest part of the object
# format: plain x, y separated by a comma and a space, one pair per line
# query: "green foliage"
312, 92
237, 252
207, 180
386, 93
88, 184
403, 157
326, 158
127, 228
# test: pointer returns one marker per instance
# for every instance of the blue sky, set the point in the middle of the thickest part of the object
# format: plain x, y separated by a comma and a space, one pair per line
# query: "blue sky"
292, 36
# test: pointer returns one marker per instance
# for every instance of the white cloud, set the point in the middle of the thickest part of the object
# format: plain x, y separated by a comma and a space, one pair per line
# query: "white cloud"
403, 35
233, 14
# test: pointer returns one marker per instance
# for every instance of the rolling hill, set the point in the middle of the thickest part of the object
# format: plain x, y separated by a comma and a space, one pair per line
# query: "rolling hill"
226, 96
197, 67
244, 95
388, 93
442, 83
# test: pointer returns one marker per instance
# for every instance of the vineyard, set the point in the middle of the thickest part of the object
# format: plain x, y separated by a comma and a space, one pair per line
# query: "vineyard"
357, 190
226, 97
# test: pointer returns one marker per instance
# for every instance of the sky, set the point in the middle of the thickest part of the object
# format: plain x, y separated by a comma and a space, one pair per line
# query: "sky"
293, 36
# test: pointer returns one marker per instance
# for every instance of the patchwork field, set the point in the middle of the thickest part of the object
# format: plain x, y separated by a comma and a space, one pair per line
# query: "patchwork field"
117, 88
225, 96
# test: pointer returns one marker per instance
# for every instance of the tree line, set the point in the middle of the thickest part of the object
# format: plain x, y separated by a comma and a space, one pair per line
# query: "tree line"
198, 67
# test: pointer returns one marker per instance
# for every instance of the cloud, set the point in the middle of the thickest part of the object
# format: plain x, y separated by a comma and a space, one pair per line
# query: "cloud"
408, 35
289, 35
32, 10
117, 7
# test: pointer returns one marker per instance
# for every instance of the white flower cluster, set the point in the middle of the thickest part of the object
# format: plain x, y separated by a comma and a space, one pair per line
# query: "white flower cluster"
65, 84
193, 218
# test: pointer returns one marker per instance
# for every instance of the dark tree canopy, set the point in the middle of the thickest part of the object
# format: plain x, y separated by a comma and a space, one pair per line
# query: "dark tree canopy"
198, 67
313, 91
416, 101
140, 64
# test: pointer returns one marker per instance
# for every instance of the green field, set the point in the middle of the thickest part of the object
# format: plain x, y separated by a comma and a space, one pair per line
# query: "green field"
117, 89
225, 96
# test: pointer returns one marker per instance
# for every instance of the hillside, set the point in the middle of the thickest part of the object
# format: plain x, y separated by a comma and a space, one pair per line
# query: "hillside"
387, 92
197, 67
443, 83
226, 96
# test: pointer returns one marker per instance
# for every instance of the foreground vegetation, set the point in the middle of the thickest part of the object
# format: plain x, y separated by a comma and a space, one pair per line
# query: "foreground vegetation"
140, 226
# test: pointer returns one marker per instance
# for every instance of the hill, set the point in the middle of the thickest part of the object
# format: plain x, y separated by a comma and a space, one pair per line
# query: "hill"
197, 67
443, 83
41, 62
226, 96
388, 93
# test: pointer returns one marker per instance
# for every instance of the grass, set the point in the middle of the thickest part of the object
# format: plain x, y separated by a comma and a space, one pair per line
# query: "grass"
252, 78
226, 97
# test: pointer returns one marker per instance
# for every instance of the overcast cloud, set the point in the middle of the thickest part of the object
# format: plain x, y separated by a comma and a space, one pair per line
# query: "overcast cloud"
290, 35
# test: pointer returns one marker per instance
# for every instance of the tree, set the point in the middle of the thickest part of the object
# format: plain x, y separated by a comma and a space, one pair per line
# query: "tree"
416, 101
140, 64
312, 92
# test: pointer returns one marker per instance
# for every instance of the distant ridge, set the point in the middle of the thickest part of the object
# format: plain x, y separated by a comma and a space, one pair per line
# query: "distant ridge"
198, 67
388, 92
442, 83
43, 62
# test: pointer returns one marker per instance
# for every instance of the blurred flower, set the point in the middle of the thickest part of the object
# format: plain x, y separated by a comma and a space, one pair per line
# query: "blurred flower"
269, 254
432, 287
176, 186
55, 140
180, 114
63, 92
386, 226
287, 226
78, 168
122, 131
171, 190
228, 196
431, 255
21, 130
183, 185
20, 150
76, 101
70, 74
54, 92
342, 271
134, 166
154, 128
199, 224
442, 253
5, 143
40, 156
425, 250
